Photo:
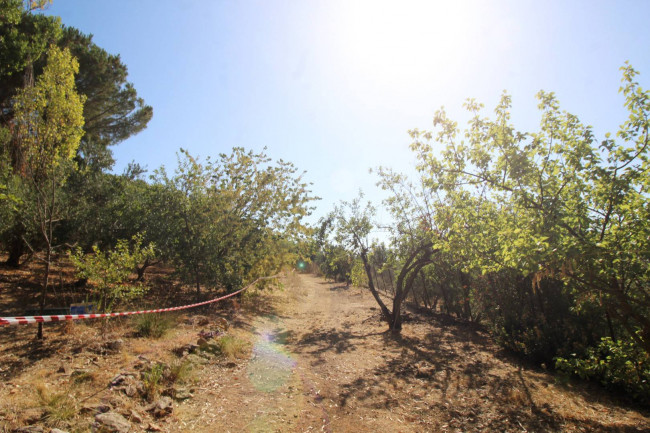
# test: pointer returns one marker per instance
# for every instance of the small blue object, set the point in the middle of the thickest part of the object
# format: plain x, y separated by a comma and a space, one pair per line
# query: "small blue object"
82, 308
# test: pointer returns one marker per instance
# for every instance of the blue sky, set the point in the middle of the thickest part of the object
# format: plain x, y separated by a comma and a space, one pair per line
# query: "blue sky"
334, 86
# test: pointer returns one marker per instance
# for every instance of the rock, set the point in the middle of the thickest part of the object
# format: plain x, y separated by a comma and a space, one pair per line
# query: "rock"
208, 335
185, 350
197, 320
223, 323
202, 342
95, 348
230, 364
65, 369
32, 416
196, 359
80, 373
136, 417
118, 380
112, 422
56, 430
181, 393
130, 390
161, 407
153, 427
113, 345
141, 364
29, 429
96, 408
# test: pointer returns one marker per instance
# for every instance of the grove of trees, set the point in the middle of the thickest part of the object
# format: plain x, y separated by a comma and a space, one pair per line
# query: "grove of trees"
542, 236
64, 102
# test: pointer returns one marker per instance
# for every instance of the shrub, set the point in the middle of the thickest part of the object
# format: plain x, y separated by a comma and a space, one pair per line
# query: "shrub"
621, 365
232, 347
152, 380
59, 406
109, 271
358, 276
153, 325
179, 371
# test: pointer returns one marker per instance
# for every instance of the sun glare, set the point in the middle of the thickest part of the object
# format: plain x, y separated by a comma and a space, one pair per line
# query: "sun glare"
393, 44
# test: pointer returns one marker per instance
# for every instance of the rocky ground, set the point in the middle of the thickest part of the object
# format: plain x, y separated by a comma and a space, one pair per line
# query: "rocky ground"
311, 357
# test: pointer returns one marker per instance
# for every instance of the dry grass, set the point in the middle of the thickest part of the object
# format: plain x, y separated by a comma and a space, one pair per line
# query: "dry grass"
233, 347
439, 375
153, 382
59, 406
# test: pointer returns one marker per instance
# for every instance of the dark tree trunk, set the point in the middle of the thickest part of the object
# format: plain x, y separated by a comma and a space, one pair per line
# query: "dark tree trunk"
413, 264
16, 246
371, 285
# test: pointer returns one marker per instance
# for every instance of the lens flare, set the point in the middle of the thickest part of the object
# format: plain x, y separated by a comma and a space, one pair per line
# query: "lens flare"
271, 365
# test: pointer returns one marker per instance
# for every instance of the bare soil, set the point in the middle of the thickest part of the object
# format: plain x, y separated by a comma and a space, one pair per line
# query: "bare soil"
320, 360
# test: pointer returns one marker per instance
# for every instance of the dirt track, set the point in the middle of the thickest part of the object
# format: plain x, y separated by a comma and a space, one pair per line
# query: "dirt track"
322, 361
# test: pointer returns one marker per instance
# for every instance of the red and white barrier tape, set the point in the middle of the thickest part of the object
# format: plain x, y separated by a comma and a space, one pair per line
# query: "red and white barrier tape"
63, 317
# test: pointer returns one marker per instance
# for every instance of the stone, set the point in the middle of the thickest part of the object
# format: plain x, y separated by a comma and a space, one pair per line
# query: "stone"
223, 323
32, 416
65, 369
153, 427
202, 342
161, 407
117, 380
136, 416
29, 429
130, 390
197, 320
181, 393
82, 372
185, 350
56, 430
96, 408
113, 345
112, 422
196, 359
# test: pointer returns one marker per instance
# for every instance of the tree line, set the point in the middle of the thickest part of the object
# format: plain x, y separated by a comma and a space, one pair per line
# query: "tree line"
64, 101
542, 236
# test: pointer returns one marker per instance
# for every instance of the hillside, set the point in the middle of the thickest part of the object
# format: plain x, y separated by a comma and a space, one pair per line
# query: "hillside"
316, 358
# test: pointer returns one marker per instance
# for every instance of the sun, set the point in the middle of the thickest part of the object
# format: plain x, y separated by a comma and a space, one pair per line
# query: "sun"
402, 43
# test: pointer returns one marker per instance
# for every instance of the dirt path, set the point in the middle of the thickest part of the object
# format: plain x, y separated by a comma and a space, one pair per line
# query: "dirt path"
323, 362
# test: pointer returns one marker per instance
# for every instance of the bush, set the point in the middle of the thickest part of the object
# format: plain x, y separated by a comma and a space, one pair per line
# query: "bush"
180, 371
232, 347
59, 406
153, 325
152, 380
108, 271
358, 275
621, 365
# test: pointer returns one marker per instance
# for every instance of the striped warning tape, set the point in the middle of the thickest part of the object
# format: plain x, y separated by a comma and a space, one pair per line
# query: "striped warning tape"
63, 317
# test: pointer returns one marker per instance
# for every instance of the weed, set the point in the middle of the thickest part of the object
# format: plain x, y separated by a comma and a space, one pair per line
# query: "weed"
232, 347
180, 371
59, 406
153, 381
153, 325
83, 376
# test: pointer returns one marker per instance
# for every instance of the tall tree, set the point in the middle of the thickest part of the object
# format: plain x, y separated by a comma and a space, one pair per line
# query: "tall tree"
113, 110
49, 125
565, 206
228, 220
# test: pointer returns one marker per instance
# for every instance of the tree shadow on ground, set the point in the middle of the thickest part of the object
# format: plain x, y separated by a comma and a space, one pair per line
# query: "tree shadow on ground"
320, 341
25, 349
448, 372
